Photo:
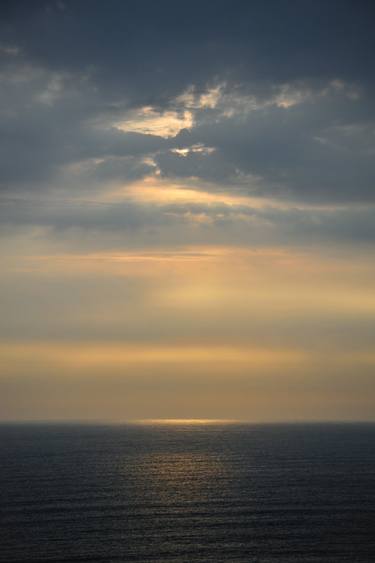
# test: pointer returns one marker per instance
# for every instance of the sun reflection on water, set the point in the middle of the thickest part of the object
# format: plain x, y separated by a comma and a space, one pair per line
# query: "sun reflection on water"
176, 469
178, 477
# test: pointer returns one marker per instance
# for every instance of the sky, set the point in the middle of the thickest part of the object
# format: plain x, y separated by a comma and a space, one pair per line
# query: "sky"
187, 210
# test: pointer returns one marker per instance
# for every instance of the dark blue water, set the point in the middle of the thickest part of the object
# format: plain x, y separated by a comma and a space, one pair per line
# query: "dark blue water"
207, 493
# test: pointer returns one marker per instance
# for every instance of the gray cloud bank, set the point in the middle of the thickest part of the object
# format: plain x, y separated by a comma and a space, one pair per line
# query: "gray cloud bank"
291, 114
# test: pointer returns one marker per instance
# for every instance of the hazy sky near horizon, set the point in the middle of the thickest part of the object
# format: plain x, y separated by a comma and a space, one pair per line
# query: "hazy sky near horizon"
187, 210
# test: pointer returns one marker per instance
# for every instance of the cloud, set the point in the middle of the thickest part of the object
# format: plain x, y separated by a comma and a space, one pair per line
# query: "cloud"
264, 119
51, 121
154, 44
319, 148
162, 214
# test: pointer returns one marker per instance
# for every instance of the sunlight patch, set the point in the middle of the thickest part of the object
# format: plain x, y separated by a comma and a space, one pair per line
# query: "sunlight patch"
148, 121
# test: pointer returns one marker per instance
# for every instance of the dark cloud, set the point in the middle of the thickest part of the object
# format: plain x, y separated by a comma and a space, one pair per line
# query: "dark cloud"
153, 50
92, 224
321, 149
71, 70
49, 121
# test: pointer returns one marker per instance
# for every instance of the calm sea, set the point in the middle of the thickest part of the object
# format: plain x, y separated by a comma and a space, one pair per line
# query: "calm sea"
188, 493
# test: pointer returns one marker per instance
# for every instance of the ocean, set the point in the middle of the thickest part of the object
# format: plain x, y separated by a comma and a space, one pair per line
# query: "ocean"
183, 492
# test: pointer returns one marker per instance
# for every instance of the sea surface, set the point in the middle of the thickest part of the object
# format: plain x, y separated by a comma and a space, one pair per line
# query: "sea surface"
187, 493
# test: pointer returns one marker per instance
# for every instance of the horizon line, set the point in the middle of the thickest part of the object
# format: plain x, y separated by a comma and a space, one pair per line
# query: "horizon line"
183, 421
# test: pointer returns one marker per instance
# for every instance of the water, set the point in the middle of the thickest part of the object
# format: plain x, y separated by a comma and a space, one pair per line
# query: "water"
188, 493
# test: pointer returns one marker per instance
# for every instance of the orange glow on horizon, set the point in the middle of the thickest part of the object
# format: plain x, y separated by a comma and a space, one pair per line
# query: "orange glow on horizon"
111, 355
183, 421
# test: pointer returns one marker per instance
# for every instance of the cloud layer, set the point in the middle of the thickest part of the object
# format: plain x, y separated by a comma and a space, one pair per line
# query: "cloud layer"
188, 182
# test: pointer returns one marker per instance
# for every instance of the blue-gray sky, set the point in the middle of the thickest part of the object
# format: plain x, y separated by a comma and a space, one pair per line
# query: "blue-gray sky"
187, 181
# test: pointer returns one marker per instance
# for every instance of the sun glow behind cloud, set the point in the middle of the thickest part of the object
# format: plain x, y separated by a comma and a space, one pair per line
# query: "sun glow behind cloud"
161, 192
151, 122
